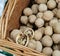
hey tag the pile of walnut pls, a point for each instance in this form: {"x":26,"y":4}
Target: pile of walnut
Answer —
{"x":40,"y":27}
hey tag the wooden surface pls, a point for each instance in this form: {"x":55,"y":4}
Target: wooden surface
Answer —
{"x":13,"y":22}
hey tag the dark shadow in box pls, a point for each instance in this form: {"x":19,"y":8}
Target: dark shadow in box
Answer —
{"x":13,"y":11}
